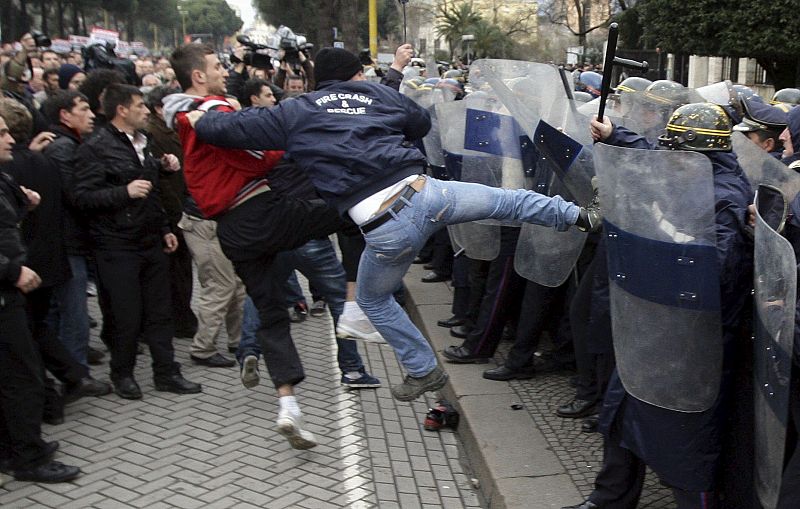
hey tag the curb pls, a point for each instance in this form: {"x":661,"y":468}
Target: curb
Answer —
{"x":506,"y":451}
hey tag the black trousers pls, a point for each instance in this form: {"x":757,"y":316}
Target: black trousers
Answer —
{"x":542,"y":309}
{"x":619,"y":483}
{"x":253,"y":236}
{"x":137,"y":286}
{"x":180,"y":273}
{"x":790,"y":484}
{"x":594,"y":369}
{"x":501,"y":298}
{"x":21,"y":387}
{"x":57,"y":359}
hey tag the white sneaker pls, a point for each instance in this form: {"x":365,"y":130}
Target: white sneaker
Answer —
{"x":291,"y":427}
{"x":360,"y":328}
{"x":249,"y":375}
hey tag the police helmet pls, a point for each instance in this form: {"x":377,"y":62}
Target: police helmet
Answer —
{"x":746,"y":93}
{"x":664,"y":92}
{"x":702,"y":127}
{"x":417,"y":62}
{"x":633,"y":84}
{"x":414,"y":83}
{"x":786,"y":96}
{"x":455,"y":74}
{"x":590,"y":82}
{"x":582,"y":97}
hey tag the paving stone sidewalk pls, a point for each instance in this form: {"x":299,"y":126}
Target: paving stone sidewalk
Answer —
{"x":218,"y":449}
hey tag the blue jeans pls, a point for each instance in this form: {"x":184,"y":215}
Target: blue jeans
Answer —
{"x":392,"y":246}
{"x":69,"y":313}
{"x":325,"y":271}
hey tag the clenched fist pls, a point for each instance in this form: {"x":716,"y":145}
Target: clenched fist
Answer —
{"x":139,"y":188}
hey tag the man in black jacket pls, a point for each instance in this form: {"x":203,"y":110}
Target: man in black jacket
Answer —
{"x":22,"y":450}
{"x":116,"y":182}
{"x":71,"y":120}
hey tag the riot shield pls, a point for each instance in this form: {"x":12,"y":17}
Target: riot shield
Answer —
{"x":647,"y":113}
{"x":721,"y":93}
{"x":775,"y":293}
{"x":663,"y":273}
{"x":544,"y":255}
{"x":761,"y":168}
{"x":531,"y":91}
{"x":428,"y":97}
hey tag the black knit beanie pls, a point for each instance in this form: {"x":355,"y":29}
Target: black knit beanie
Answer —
{"x":335,"y":64}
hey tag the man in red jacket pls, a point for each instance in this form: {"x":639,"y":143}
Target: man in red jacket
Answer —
{"x":259,"y":229}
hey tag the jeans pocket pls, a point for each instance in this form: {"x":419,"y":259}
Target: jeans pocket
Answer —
{"x":391,"y":246}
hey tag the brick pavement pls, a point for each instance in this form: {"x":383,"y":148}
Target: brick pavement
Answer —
{"x":218,"y":449}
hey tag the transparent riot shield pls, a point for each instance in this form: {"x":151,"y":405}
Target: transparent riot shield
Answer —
{"x":531,"y":91}
{"x":721,"y":93}
{"x":663,"y":274}
{"x":647,"y":113}
{"x":761,"y":168}
{"x":428,"y":98}
{"x":544,"y":255}
{"x":775,"y":284}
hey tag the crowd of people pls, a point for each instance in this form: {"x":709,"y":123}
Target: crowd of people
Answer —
{"x":246,"y":173}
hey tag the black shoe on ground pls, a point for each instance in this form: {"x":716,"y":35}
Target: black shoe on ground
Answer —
{"x":420,"y":259}
{"x":94,"y":356}
{"x":502,"y":373}
{"x":576,"y":408}
{"x":86,"y":387}
{"x":50,"y":472}
{"x":453,"y":321}
{"x":177,"y":385}
{"x":215,"y":361}
{"x":460,"y":355}
{"x":589,"y":425}
{"x":460,"y":331}
{"x":429,"y":266}
{"x":127,"y":388}
{"x":585,"y":505}
{"x":434,"y":277}
{"x":50,"y":449}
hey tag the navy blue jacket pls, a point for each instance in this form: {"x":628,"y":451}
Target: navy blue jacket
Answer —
{"x":684,"y":448}
{"x":347,"y":136}
{"x":793,"y":118}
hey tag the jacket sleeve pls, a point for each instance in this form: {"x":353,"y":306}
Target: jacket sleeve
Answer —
{"x":418,"y":119}
{"x":623,"y":137}
{"x":91,"y":190}
{"x":250,"y":128}
{"x":393,"y":79}
{"x":235,"y":83}
{"x":10,"y":241}
{"x":308,"y":68}
{"x":64,"y":157}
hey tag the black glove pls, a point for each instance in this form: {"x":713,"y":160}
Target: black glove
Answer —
{"x":590,"y":218}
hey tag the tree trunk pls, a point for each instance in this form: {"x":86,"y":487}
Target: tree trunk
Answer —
{"x":24,"y":20}
{"x":43,"y":11}
{"x":76,"y":29}
{"x":60,"y":17}
{"x":347,"y":15}
{"x":131,"y":25}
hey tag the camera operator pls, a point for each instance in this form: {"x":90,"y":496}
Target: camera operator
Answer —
{"x":17,"y":72}
{"x":246,"y":64}
{"x":287,"y":70}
